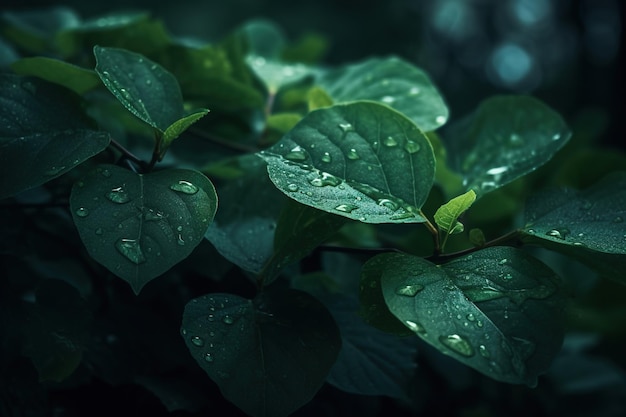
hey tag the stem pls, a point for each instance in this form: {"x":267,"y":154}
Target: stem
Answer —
{"x":434,"y":232}
{"x":127,"y":154}
{"x":270,"y":103}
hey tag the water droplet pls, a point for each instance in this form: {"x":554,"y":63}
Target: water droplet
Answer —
{"x":183,"y":332}
{"x":148,"y":82}
{"x":325,"y":179}
{"x":507,"y":277}
{"x":388,"y":99}
{"x":152,"y":215}
{"x":180,"y":240}
{"x":516,"y":139}
{"x":478,"y":294}
{"x":208,"y":357}
{"x":440,"y":119}
{"x":414,"y":91}
{"x":293,"y":187}
{"x":387,"y":203}
{"x":503,"y":262}
{"x":131,"y":249}
{"x":184,"y":187}
{"x":482,"y":349}
{"x":558,"y":233}
{"x":346,"y":127}
{"x":98,"y":231}
{"x":471,"y":317}
{"x":618,"y":219}
{"x":497,"y":170}
{"x":556,"y":136}
{"x":228,"y":319}
{"x":415,"y":326}
{"x":296,"y":154}
{"x":179,"y":228}
{"x":352,"y":154}
{"x":411,"y":146}
{"x":327,"y":158}
{"x":457,"y":344}
{"x":54,"y":170}
{"x":409,"y":290}
{"x":346,"y":208}
{"x":82,"y":212}
{"x":118,"y":195}
{"x":402,"y":215}
{"x":197,"y":341}
{"x":390,"y":141}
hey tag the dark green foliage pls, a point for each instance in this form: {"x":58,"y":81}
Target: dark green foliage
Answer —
{"x":356,"y":246}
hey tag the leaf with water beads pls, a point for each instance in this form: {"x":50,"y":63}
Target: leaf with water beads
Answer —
{"x":139,"y":226}
{"x":497,"y":310}
{"x":37,"y":142}
{"x":505,"y":138}
{"x":391,"y":81}
{"x":361,"y":160}
{"x":269,"y":355}
{"x":589,"y":225}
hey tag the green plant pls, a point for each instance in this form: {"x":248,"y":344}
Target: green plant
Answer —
{"x":125,"y":129}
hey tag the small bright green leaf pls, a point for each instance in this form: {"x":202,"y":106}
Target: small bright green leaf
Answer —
{"x":446,"y":216}
{"x":362,"y":160}
{"x":139,"y":226}
{"x":179,"y":126}
{"x":394,"y":82}
{"x":38,"y":142}
{"x":497,"y":310}
{"x":283,"y":122}
{"x":299,"y":230}
{"x":373,"y":309}
{"x":144,"y":87}
{"x":589,"y":225}
{"x":243,"y":231}
{"x":77,"y":79}
{"x":56,"y":330}
{"x":504,"y":139}
{"x":318,"y":98}
{"x":270,"y":355}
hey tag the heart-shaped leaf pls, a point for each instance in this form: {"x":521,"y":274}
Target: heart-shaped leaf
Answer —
{"x":362,"y":160}
{"x":139,"y":226}
{"x":589,"y":225}
{"x":497,"y":310}
{"x":270,"y":355}
{"x":394,"y":82}
{"x":504,"y":139}
{"x":44,"y":133}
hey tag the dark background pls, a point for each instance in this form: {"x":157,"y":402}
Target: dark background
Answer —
{"x":566,"y":52}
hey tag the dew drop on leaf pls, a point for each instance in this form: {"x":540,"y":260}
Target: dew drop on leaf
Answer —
{"x":352,"y":154}
{"x":118,"y":195}
{"x":327,"y":158}
{"x":131,"y":249}
{"x":346,"y":208}
{"x":388,"y":99}
{"x":228,"y":319}
{"x":415,"y":327}
{"x":387,"y":203}
{"x":482,"y":349}
{"x":293,"y":187}
{"x":390,"y":141}
{"x":457,"y":344}
{"x":98,"y":231}
{"x":54,"y":170}
{"x":409,"y":290}
{"x":197,"y":341}
{"x":411,"y":147}
{"x":184,"y":187}
{"x":296,"y":154}
{"x":208,"y":357}
{"x":324,"y":180}
{"x":180,"y":240}
{"x":440,"y":119}
{"x":346,"y":127}
{"x":414,"y":91}
{"x":82,"y":212}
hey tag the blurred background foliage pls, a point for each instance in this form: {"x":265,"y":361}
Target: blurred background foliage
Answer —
{"x":565,"y":52}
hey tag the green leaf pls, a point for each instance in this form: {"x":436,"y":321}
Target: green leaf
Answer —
{"x":394,"y":82}
{"x":179,"y":126}
{"x":275,"y":74}
{"x":497,"y":310}
{"x":139,"y":226}
{"x":373,"y":309}
{"x":361,"y":160}
{"x":77,"y":79}
{"x":589,"y":225}
{"x":446,"y":216}
{"x":505,"y":138}
{"x":370,"y":362}
{"x":144,"y":87}
{"x":263,"y":38}
{"x":299,"y":230}
{"x":318,"y":98}
{"x":243,"y":231}
{"x":56,"y":330}
{"x":270,"y":355}
{"x":38,"y":142}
